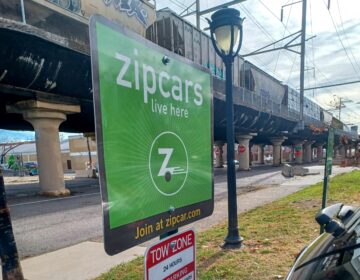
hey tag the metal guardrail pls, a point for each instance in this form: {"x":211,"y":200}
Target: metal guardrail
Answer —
{"x":260,"y":103}
{"x":352,"y":135}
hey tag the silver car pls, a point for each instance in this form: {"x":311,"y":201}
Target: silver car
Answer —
{"x":335,"y":254}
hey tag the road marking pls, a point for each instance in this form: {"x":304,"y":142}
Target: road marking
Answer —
{"x":54,"y":199}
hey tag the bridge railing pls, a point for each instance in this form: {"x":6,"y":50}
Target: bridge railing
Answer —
{"x":45,"y":17}
{"x":350,"y":134}
{"x":13,"y":10}
{"x":261,"y":103}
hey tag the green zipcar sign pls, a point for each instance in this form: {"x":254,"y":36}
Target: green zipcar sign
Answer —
{"x":329,"y":152}
{"x":153,"y":112}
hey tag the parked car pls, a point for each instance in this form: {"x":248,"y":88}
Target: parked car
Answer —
{"x":31,"y":168}
{"x":335,"y":254}
{"x":4,"y":166}
{"x":30,"y":164}
{"x":268,"y":159}
{"x":33,"y":172}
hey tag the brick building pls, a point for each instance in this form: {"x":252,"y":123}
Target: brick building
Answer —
{"x":74,"y":153}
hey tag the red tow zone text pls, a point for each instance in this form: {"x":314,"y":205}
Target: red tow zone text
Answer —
{"x":172,"y":258}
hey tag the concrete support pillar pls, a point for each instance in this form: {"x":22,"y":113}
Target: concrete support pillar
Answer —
{"x":352,"y":150}
{"x":298,"y":147}
{"x":219,"y":160}
{"x":347,"y":154}
{"x":303,"y":153}
{"x":342,"y":151}
{"x":46,"y":118}
{"x":319,"y":151}
{"x":244,"y":151}
{"x":261,"y":153}
{"x":312,"y":153}
{"x":348,"y":151}
{"x":277,"y":141}
{"x":250,"y":153}
{"x":307,"y":152}
{"x":336,"y":151}
{"x":292,"y":153}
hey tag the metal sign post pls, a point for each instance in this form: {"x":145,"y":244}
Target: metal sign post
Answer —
{"x":153,"y":112}
{"x":328,"y":168}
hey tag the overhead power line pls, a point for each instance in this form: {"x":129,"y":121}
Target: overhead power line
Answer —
{"x":333,"y":85}
{"x":345,"y":35}
{"x":342,"y":44}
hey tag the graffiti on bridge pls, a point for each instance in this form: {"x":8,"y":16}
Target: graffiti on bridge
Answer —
{"x":131,"y":7}
{"x":216,"y":71}
{"x":71,"y":5}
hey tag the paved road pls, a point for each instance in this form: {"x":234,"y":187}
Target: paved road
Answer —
{"x":42,"y":225}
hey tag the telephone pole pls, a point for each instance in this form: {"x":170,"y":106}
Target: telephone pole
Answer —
{"x":340,"y":104}
{"x":197,"y":14}
{"x":302,"y":63}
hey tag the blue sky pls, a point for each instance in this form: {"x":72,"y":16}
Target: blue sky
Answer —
{"x":18,"y":136}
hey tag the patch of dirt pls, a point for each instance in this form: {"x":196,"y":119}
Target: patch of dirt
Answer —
{"x":13,"y":180}
{"x":253,"y":188}
{"x":307,"y":204}
{"x":246,"y":189}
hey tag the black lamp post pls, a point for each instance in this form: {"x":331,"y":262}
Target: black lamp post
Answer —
{"x":225,"y":26}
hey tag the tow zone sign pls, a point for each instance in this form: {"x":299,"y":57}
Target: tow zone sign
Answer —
{"x":172,"y":258}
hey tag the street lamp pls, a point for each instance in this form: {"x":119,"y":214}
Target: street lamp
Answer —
{"x":225,"y":26}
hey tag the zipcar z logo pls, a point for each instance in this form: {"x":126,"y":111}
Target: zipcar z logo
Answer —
{"x":168,"y":166}
{"x":165,"y":170}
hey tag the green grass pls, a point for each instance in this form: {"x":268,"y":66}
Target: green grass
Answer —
{"x":273,"y":234}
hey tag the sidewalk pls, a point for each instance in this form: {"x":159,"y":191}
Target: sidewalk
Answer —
{"x":88,"y":260}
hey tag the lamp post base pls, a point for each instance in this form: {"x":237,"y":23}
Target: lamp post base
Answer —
{"x":234,"y":244}
{"x":233,"y":240}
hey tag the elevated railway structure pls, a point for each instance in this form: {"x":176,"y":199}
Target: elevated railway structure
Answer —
{"x":45,"y":81}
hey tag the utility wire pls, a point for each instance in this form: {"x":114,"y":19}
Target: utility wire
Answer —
{"x":296,"y":57}
{"x":253,"y":19}
{"x":261,"y":28}
{"x":285,"y":29}
{"x":271,"y":12}
{"x":345,"y":35}
{"x":342,"y":44}
{"x":184,"y":7}
{"x":313,"y":49}
{"x":260,"y":61}
{"x":291,"y":58}
{"x":187,"y":9}
{"x":178,"y":3}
